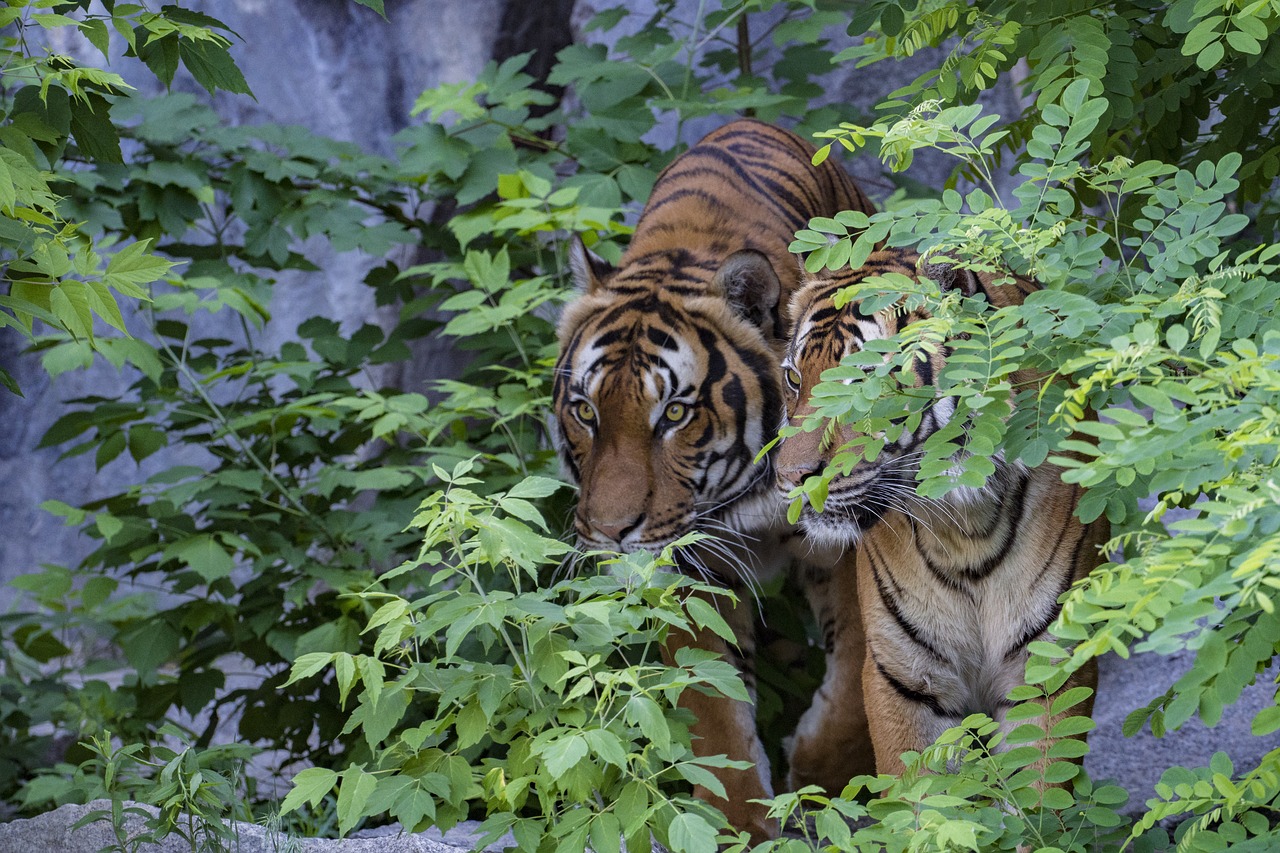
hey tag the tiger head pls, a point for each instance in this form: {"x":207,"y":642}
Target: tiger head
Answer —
{"x":666,"y":389}
{"x":823,"y":335}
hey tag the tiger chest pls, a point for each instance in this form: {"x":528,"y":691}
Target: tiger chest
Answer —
{"x":950,"y":620}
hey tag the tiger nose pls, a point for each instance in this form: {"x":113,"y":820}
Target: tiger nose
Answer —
{"x":618,"y":530}
{"x":794,"y":475}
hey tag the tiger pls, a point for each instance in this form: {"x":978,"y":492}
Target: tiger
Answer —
{"x":665,"y":391}
{"x":951,"y":590}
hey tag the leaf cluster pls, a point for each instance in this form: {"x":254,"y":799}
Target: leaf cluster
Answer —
{"x":1144,"y":369}
{"x":574,"y":739}
{"x":54,"y":112}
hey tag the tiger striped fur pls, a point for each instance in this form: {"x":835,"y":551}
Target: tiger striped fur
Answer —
{"x":952,"y":590}
{"x":666,"y":389}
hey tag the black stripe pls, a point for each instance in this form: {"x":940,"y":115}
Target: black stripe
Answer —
{"x":890,"y":599}
{"x":1064,"y":583}
{"x":943,"y":577}
{"x":1051,"y":613}
{"x":1013,"y":516}
{"x":770,"y":192}
{"x":927,"y":699}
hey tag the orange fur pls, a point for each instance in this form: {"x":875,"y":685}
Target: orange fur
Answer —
{"x":666,"y":389}
{"x":952,"y":590}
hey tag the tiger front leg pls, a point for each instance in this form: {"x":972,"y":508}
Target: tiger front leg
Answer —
{"x":728,"y":727}
{"x":832,"y":742}
{"x":898,"y":722}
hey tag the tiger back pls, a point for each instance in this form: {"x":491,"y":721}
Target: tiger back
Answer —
{"x":666,"y":388}
{"x":952,"y":590}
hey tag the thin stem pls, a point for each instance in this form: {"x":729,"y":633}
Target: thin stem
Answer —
{"x":180,"y":364}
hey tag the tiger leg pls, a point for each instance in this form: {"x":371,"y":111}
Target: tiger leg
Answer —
{"x":728,"y":727}
{"x":898,"y":723}
{"x":832,"y":742}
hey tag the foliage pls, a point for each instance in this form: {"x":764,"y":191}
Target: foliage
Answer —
{"x":289,"y":474}
{"x":1151,"y":316}
{"x":195,"y":794}
{"x":1180,"y":83}
{"x":584,"y":719}
{"x":979,"y":786}
{"x":56,"y":109}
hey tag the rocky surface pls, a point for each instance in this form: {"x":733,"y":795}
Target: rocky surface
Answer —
{"x":53,"y":831}
{"x":1136,"y":763}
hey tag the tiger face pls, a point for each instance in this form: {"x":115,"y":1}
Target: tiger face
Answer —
{"x":663,"y":397}
{"x":823,"y":335}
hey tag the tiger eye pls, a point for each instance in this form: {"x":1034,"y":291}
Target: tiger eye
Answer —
{"x":676,"y":412}
{"x":585,"y":412}
{"x":793,"y":377}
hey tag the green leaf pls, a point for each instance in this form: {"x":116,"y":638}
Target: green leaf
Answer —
{"x":1266,"y":721}
{"x":645,"y":713}
{"x":1243,"y":43}
{"x":134,"y":265}
{"x":375,"y":5}
{"x":112,"y":446}
{"x":702,"y":776}
{"x":705,"y":615}
{"x":606,"y":833}
{"x":632,"y":805}
{"x":471,"y":725}
{"x":211,"y":65}
{"x":1070,"y":699}
{"x":1072,"y":726}
{"x":535,"y":487}
{"x":891,"y":20}
{"x":160,"y":55}
{"x":607,"y":747}
{"x":309,"y":786}
{"x":95,"y":134}
{"x":690,"y":833}
{"x":145,"y":440}
{"x":95,"y":31}
{"x":308,"y":665}
{"x":353,"y":795}
{"x":414,"y":804}
{"x":563,"y":753}
{"x":7,"y":380}
{"x":203,"y":554}
{"x":1209,"y":58}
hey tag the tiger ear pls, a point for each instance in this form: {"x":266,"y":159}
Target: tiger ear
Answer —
{"x":751,"y":286}
{"x":950,"y":277}
{"x":589,"y":269}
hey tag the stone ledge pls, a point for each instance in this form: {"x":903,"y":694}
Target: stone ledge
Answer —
{"x":52,"y":831}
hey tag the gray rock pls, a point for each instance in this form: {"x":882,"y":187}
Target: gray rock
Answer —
{"x":53,"y":831}
{"x":1137,"y":762}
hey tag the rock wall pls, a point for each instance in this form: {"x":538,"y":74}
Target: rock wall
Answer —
{"x":54,"y":831}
